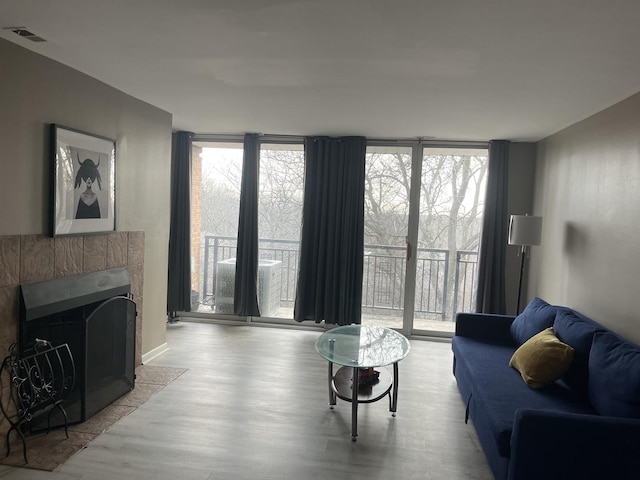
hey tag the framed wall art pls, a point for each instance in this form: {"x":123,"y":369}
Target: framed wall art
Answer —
{"x":83,"y":182}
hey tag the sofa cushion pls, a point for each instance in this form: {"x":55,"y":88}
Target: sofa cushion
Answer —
{"x":614,"y":376}
{"x":542,"y":359}
{"x":576,"y":331}
{"x":537,"y":316}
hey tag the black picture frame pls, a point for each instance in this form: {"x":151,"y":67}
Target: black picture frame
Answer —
{"x":83,"y":182}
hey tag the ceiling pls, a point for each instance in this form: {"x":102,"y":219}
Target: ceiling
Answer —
{"x":447,"y":69}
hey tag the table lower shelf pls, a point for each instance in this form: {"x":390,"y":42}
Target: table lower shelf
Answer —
{"x":342,"y":382}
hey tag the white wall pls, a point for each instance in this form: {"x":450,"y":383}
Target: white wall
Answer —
{"x":588,"y":190}
{"x":35,"y":92}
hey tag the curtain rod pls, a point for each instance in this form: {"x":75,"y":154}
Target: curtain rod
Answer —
{"x":214,"y":137}
{"x":206,"y":137}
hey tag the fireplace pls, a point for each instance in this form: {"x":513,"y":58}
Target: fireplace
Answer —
{"x":94,"y":314}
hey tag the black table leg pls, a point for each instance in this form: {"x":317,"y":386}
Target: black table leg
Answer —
{"x":354,"y":404}
{"x":332,"y":393}
{"x":394,"y":402}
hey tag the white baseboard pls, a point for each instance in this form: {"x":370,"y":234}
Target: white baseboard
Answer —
{"x":150,"y":355}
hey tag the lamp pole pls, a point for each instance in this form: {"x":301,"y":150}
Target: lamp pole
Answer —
{"x":523,"y":252}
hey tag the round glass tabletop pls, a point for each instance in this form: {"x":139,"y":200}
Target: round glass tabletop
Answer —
{"x":362,"y":346}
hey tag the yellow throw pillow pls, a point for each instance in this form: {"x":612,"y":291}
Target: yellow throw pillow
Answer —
{"x":542,"y":359}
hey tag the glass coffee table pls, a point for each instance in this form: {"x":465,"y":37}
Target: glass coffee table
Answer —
{"x":359,"y":347}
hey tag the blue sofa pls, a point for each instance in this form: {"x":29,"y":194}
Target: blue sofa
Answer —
{"x":584,"y":425}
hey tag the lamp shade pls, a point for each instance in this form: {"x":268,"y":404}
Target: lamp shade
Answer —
{"x":525,"y":230}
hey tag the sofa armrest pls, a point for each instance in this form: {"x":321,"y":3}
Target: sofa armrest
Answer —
{"x":549,"y":445}
{"x":485,"y":327}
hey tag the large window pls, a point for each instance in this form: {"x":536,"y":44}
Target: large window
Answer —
{"x":216,"y":189}
{"x":279,"y":222}
{"x":215,"y":205}
{"x":423,"y":214}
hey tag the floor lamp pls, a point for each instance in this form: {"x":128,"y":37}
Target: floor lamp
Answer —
{"x":524,"y":230}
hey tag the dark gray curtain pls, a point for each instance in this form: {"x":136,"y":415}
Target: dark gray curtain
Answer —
{"x":332,"y":244}
{"x":245,"y":301}
{"x":179,"y":280}
{"x":490,"y":294}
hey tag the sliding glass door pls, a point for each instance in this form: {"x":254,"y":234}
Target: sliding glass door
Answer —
{"x":423,"y":214}
{"x":452,"y":191}
{"x":386,"y":220}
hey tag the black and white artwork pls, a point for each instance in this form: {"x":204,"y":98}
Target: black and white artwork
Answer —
{"x":83,"y":190}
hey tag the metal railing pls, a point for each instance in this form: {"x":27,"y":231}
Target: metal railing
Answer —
{"x":438,"y":294}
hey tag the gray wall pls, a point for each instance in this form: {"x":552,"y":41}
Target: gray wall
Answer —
{"x":522,"y":163}
{"x":588,"y":190}
{"x":36,"y":91}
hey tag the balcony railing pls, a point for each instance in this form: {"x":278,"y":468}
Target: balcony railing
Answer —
{"x":439,"y":293}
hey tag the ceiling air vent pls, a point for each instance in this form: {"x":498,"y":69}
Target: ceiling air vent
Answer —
{"x":24,"y":33}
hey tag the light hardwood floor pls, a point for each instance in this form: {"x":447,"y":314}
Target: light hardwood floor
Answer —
{"x":254,"y":405}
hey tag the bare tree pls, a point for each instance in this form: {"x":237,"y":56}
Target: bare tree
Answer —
{"x":450,"y":209}
{"x":451,"y":195}
{"x":221,"y":180}
{"x":281,"y":194}
{"x":387,"y":187}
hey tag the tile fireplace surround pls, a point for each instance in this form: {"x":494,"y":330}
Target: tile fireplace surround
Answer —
{"x":33,"y":258}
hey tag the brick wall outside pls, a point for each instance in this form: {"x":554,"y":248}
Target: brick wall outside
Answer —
{"x":196,"y":214}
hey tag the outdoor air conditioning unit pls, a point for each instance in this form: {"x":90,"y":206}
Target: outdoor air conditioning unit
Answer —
{"x":225,"y":285}
{"x":269,"y":286}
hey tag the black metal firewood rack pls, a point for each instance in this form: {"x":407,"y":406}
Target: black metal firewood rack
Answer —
{"x":40,"y":379}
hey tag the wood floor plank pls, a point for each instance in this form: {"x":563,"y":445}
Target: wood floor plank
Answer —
{"x":254,"y":405}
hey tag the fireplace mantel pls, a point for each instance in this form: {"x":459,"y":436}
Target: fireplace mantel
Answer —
{"x":53,"y":296}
